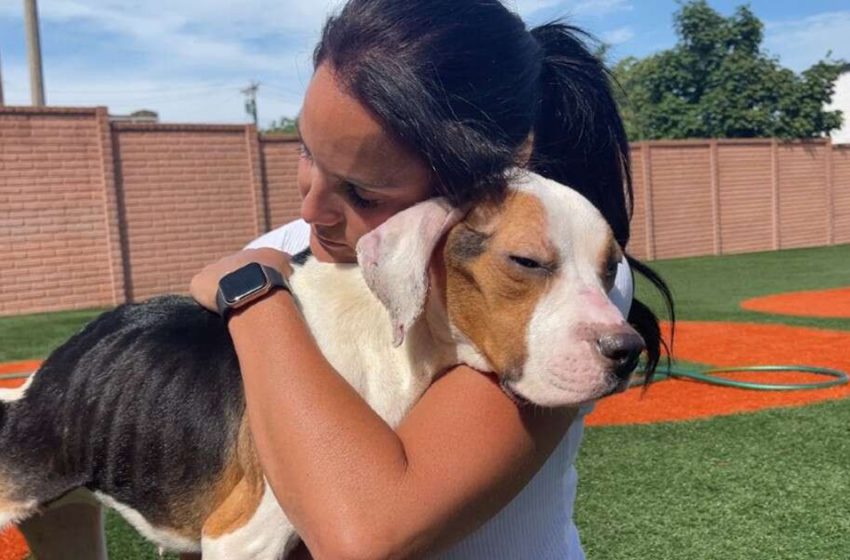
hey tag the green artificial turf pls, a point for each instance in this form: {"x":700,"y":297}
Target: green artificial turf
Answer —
{"x":123,"y":542}
{"x":27,"y":337}
{"x":769,"y":485}
{"x":711,"y":288}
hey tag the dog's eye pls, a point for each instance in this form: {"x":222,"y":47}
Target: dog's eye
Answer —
{"x":611,"y":270}
{"x":526,"y":262}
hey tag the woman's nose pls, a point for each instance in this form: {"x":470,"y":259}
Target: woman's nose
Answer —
{"x":319,"y":204}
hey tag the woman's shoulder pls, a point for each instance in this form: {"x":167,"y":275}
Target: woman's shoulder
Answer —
{"x":292,"y":237}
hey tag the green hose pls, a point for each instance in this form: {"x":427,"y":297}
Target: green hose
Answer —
{"x":709,"y":376}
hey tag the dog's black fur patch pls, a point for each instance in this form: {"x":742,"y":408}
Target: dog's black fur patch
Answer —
{"x":143,"y":404}
{"x":469,"y":244}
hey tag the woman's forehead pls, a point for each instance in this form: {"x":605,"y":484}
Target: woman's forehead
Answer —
{"x":331,"y":115}
{"x":345,"y":138}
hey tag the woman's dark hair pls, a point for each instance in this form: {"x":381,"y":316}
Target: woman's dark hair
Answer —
{"x":463,"y":84}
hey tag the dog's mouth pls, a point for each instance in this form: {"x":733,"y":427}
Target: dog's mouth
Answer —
{"x":618,"y":387}
{"x":518,"y":399}
{"x":607,"y":385}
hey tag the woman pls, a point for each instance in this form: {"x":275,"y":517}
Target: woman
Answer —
{"x":412,"y":99}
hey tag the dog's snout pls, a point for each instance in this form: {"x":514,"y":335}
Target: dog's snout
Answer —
{"x":623,"y":349}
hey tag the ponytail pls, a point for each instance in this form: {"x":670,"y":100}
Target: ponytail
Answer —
{"x":580,"y":141}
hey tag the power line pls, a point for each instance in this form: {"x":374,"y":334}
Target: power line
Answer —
{"x":152,"y":90}
{"x":1,"y":84}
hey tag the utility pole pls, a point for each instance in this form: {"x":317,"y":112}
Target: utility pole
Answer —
{"x":34,"y":53}
{"x":250,"y":94}
{"x":1,"y":84}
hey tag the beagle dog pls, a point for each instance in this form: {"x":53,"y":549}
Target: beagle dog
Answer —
{"x":144,"y":408}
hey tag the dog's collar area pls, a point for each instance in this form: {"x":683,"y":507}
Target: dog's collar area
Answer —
{"x":301,"y":258}
{"x":518,"y":399}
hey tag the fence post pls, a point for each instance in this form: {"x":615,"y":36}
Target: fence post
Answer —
{"x":715,"y":194}
{"x":646,"y":160}
{"x":830,"y":195}
{"x":774,"y":178}
{"x":113,"y":211}
{"x":262,"y":219}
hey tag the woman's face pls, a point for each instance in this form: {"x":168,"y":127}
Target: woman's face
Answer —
{"x":352,"y":175}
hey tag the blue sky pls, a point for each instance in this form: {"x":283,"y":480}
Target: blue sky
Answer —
{"x":188,"y":59}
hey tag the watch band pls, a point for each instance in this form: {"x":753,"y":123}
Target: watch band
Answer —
{"x":247,"y":284}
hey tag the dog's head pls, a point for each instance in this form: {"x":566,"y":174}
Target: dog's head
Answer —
{"x":525,"y":282}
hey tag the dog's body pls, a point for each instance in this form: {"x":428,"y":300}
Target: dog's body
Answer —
{"x":145,"y":408}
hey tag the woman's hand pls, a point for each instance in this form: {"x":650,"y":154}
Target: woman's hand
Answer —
{"x":204,"y":285}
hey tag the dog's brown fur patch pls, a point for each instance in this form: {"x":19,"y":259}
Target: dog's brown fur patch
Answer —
{"x":241,"y":489}
{"x":482,"y":281}
{"x":226,"y":504}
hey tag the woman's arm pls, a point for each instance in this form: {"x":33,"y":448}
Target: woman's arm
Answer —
{"x":352,"y":486}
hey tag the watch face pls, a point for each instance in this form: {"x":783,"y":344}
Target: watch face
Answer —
{"x":243,"y":283}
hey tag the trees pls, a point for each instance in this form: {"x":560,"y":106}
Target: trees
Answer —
{"x":718,"y":83}
{"x":286,"y":125}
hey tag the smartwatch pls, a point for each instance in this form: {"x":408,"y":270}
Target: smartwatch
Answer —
{"x":246,"y":284}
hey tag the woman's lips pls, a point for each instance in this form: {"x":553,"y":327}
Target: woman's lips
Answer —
{"x":328,"y":243}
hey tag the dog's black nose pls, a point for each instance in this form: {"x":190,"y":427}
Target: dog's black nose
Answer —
{"x":623,"y":349}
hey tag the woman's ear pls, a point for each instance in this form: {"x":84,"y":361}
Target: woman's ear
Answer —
{"x":394,"y":259}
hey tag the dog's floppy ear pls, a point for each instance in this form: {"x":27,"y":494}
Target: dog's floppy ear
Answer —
{"x":394,"y":259}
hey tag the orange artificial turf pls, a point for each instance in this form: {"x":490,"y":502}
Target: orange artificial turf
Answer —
{"x":834,"y":303}
{"x":12,"y":545}
{"x":20,"y":367}
{"x":733,"y":344}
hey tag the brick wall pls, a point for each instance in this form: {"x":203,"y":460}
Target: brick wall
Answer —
{"x":840,"y":181}
{"x":53,"y":222}
{"x":188,"y":199}
{"x":94,"y":213}
{"x":280,"y":157}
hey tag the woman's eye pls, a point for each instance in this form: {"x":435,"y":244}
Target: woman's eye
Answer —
{"x":356,"y":199}
{"x":526,"y":262}
{"x":303,"y":153}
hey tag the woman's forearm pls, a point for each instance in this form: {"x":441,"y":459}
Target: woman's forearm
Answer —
{"x":332,"y":462}
{"x":353,"y":486}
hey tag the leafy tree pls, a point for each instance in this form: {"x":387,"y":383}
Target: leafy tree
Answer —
{"x":717,"y":82}
{"x":285,"y":125}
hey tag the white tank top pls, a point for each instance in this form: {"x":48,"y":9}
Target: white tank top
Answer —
{"x":538,"y":522}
